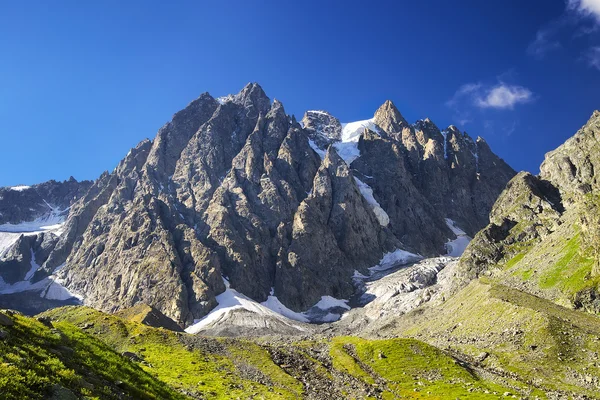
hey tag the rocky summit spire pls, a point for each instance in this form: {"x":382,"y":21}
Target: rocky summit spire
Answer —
{"x":388,"y":118}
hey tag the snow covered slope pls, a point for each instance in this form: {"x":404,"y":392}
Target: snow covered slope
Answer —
{"x":237,"y":312}
{"x":347,"y":148}
{"x":457,"y":246}
{"x":49,"y":288}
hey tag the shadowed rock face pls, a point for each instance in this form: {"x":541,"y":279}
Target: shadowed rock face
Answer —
{"x":236,"y":188}
{"x":26,"y":203}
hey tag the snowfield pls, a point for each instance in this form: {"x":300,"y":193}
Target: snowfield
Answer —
{"x":367,"y":193}
{"x":231,"y":300}
{"x":347,"y":148}
{"x":396,"y":258}
{"x":51,"y":287}
{"x":19,"y":188}
{"x":457,"y":246}
{"x":328,"y":309}
{"x":316,"y":148}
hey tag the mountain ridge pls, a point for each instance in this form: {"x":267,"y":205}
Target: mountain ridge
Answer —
{"x":235,"y":187}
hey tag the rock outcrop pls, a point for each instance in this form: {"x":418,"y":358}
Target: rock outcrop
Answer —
{"x":535,"y":226}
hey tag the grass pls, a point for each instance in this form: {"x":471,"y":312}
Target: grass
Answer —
{"x":205,"y":371}
{"x":344,"y":362}
{"x":36,"y":358}
{"x":547,"y":346}
{"x":410,"y":368}
{"x":571,"y":272}
{"x":250,"y":353}
{"x":83,"y":353}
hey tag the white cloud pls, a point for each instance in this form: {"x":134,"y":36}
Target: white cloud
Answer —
{"x":504,"y":96}
{"x":593,"y":57}
{"x":585,"y":7}
{"x":499,"y":96}
{"x":580,"y":19}
{"x":543,"y":43}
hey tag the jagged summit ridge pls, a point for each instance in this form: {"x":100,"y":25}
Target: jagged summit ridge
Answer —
{"x":234,"y":187}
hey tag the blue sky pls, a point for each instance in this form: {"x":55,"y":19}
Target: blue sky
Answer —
{"x":82,"y":82}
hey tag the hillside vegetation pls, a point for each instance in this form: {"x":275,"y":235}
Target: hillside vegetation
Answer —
{"x":77,"y":352}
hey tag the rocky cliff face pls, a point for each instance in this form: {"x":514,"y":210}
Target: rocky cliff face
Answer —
{"x":418,"y":174}
{"x":534,"y":240}
{"x":43,"y":201}
{"x":236,"y":188}
{"x":30,"y":219}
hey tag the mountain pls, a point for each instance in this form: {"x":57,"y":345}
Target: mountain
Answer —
{"x":233,"y":193}
{"x":522,"y":301}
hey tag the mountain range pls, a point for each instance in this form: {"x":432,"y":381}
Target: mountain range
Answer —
{"x":243,"y":253}
{"x":233,"y":191}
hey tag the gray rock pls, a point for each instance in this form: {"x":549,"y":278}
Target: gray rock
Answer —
{"x":5,"y":320}
{"x":62,"y":393}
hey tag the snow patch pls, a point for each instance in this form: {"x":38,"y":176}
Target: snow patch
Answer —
{"x":456,"y":247}
{"x":316,"y":148}
{"x":351,"y":131}
{"x":348,"y":151}
{"x":273,"y":304}
{"x":52,"y":221}
{"x":328,"y":302}
{"x":33,"y":269}
{"x":367,"y":193}
{"x":225,"y":99}
{"x":7,"y":239}
{"x":56,"y":291}
{"x":347,"y":148}
{"x":50,"y":288}
{"x":319,"y":112}
{"x":229,"y":301}
{"x":19,"y":188}
{"x":394,"y":259}
{"x":445,"y":135}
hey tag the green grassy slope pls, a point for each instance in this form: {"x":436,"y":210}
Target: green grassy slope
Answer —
{"x":83,"y":353}
{"x":526,"y":339}
{"x":37,"y":362}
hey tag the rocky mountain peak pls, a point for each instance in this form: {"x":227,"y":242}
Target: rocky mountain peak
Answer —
{"x":322,"y":123}
{"x":253,"y":98}
{"x":425,"y":130}
{"x":388,"y":118}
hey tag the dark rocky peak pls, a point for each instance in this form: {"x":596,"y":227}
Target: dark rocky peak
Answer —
{"x":323,"y":124}
{"x":248,"y":163}
{"x":334,"y":232}
{"x":389,"y":119}
{"x":172,"y":138}
{"x":254,"y":99}
{"x":456,"y":146}
{"x":277,"y":126}
{"x":334,"y":163}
